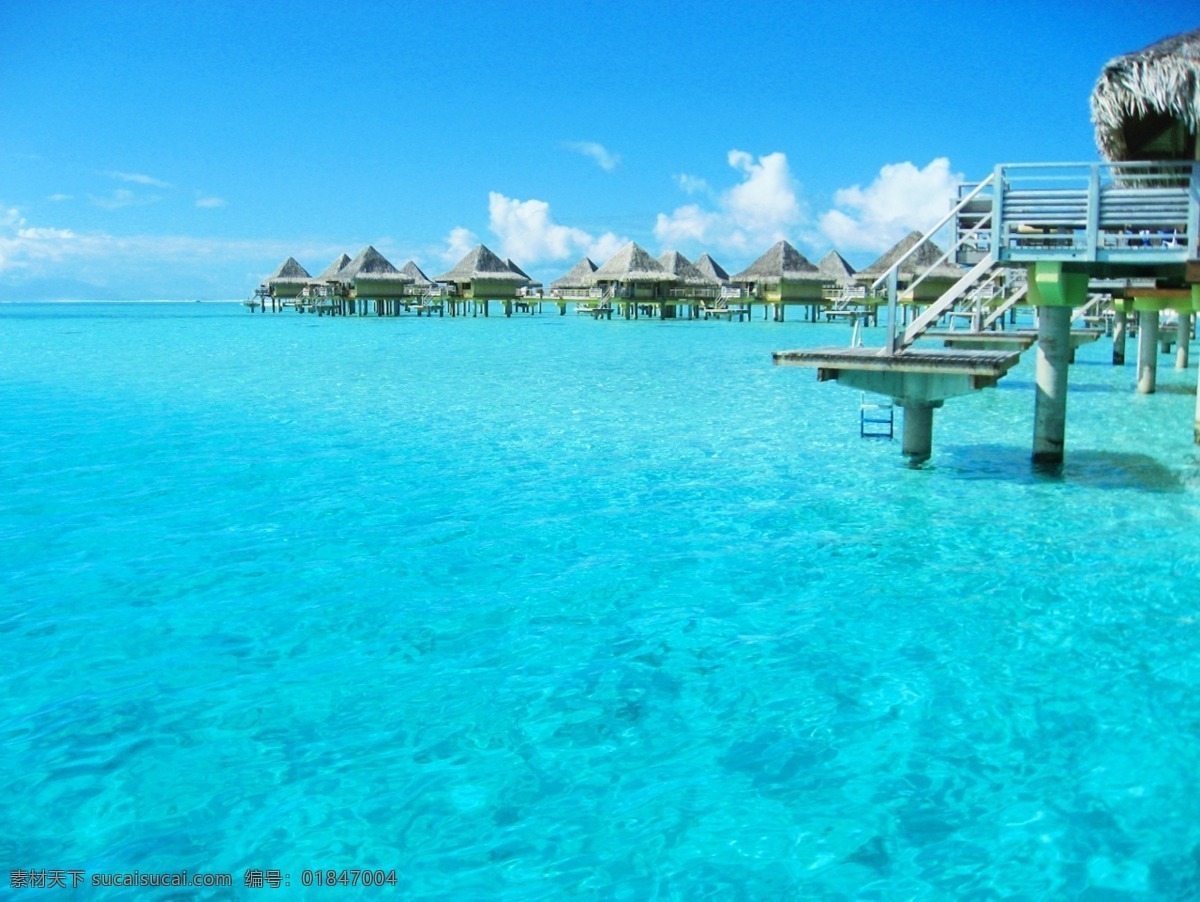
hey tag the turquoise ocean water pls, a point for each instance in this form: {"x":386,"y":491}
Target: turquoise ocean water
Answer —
{"x":540,"y":607}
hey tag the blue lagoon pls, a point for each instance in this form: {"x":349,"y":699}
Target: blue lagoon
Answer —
{"x":543,"y":606}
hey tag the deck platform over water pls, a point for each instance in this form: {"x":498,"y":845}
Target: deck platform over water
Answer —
{"x":830,"y":361}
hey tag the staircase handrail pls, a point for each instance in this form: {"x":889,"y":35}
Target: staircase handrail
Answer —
{"x":928,"y":235}
{"x":892,"y":275}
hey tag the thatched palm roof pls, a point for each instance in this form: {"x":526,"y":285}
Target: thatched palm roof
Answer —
{"x":333,"y":270}
{"x":632,"y":264}
{"x":481,"y":263}
{"x":289,"y":273}
{"x":1146,"y":105}
{"x":835,"y":266}
{"x":372,"y":264}
{"x":712,"y":269}
{"x":414,"y":272}
{"x":578,"y":276}
{"x":781,"y":263}
{"x":685,"y":272}
{"x":914,"y":266}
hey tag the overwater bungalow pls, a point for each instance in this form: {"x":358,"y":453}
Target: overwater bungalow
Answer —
{"x":780,"y":277}
{"x":845,"y":296}
{"x":321,"y":291}
{"x":286,"y":283}
{"x":576,"y":284}
{"x":928,"y":266}
{"x":693,"y":289}
{"x":712,"y":269}
{"x":634,"y":280}
{"x":480,"y":277}
{"x":374,"y":277}
{"x":838,"y":269}
{"x":420,"y":281}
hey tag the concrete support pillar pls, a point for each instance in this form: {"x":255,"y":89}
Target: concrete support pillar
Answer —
{"x":1119,"y":331}
{"x":918,"y":429}
{"x":1183,"y":335}
{"x":1147,"y":351}
{"x":1050,"y":403}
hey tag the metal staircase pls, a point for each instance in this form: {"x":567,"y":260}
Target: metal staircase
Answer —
{"x":1096,"y":213}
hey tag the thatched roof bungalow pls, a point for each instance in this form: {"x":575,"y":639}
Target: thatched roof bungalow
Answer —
{"x":941,"y":277}
{"x":837,"y":268}
{"x":371,"y":275}
{"x":690,"y":282}
{"x":634,"y":275}
{"x":287,"y":281}
{"x":782,"y":275}
{"x":329,"y":280}
{"x":420,"y":281}
{"x":711,"y":268}
{"x":1146,"y":105}
{"x":484,"y":276}
{"x":576,"y":281}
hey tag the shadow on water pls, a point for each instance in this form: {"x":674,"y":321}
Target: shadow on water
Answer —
{"x":1011,"y":384}
{"x":1182,"y":388}
{"x":1088,"y":469}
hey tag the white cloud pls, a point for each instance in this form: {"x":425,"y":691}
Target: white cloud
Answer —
{"x":688,"y":223}
{"x":756,"y":212}
{"x":122,"y":197}
{"x":59,"y":198}
{"x":528,"y":234}
{"x":36,"y":251}
{"x":901,"y":198}
{"x":692,"y":184}
{"x":210,"y":203}
{"x":138,"y":178}
{"x":459,"y":243}
{"x":604,"y":158}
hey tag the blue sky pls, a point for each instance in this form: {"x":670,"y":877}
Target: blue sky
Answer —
{"x":184,"y":149}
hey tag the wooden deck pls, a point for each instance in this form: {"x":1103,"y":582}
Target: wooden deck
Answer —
{"x":829,"y":361}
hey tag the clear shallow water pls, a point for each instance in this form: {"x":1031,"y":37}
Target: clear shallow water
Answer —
{"x":544,"y":606}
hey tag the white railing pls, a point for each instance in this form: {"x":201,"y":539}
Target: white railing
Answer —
{"x":1141,"y":212}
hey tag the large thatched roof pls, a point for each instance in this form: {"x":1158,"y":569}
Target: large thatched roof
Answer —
{"x":632,"y":264}
{"x":413,"y":271}
{"x":781,"y":263}
{"x":289,"y":273}
{"x":685,"y":272}
{"x":835,"y":266}
{"x":481,"y":263}
{"x":1146,"y":105}
{"x":914,"y":266}
{"x":373,"y":265}
{"x":578,"y":276}
{"x":712,"y":269}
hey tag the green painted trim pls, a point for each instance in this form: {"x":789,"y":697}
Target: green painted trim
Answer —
{"x":1152,"y":305}
{"x":1050,"y":286}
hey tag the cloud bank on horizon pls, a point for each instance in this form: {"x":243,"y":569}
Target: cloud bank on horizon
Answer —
{"x":762,"y":204}
{"x":765,"y":206}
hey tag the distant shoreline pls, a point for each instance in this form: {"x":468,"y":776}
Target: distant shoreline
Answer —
{"x":122,"y":301}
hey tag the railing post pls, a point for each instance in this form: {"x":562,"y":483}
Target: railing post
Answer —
{"x":893,"y":289}
{"x":1193,"y":223}
{"x":1093,"y":212}
{"x":999,"y":251}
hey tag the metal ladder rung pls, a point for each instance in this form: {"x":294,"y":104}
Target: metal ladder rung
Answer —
{"x":876,"y":414}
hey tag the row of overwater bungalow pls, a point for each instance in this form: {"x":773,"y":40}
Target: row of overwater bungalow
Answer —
{"x":631,"y":284}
